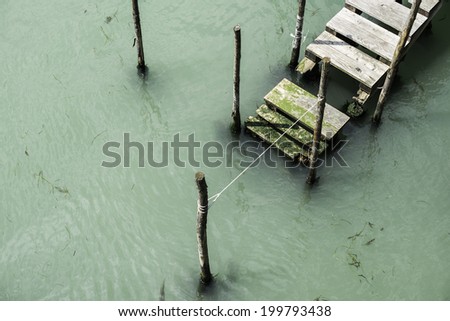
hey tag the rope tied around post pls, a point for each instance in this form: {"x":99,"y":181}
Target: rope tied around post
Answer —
{"x":296,"y":43}
{"x":202,"y":209}
{"x":202,"y":216}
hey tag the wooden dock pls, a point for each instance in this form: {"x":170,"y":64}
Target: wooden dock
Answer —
{"x":360,"y":41}
{"x":286,"y":104}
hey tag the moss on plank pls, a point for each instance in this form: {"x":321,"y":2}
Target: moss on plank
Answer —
{"x":282,"y":124}
{"x":264,"y":131}
{"x":305,"y":65}
{"x":297,"y":103}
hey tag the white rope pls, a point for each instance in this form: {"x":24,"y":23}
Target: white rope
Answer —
{"x":303,"y":37}
{"x":202,"y":209}
{"x":214,"y":198}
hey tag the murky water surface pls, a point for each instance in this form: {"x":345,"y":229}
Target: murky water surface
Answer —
{"x":71,"y":229}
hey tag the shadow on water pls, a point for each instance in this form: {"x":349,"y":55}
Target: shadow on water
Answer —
{"x":305,"y":196}
{"x":150,"y":108}
{"x":220,"y":286}
{"x":142,"y":72}
{"x":162,"y":291}
{"x":368,"y":161}
{"x":241,"y":200}
{"x":208,"y":292}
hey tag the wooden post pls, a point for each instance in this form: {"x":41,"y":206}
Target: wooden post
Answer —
{"x":235,"y":113}
{"x":296,"y":43}
{"x":140,"y":47}
{"x":202,"y":213}
{"x":398,"y":54}
{"x":318,"y":128}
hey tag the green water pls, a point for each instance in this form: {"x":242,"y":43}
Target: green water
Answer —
{"x":71,"y":229}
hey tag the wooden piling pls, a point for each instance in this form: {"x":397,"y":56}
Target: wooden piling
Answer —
{"x":296,"y":43}
{"x":318,"y":128}
{"x":139,"y":45}
{"x":202,"y":214}
{"x":398,"y":54}
{"x":235,"y":113}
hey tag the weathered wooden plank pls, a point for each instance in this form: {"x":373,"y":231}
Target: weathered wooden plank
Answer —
{"x":361,"y":97}
{"x":283,"y":124}
{"x":296,"y":103}
{"x":427,"y":7}
{"x":305,"y":65}
{"x":364,"y":32}
{"x":350,"y":60}
{"x":262,"y":129}
{"x":388,"y":12}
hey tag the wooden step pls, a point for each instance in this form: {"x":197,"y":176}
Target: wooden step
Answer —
{"x":348,"y":59}
{"x":364,"y":32}
{"x":262,"y":129}
{"x":388,"y":12}
{"x":305,"y":65}
{"x":283,"y":125}
{"x":296,"y":103}
{"x":429,"y":7}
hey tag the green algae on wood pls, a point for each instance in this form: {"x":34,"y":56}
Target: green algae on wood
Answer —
{"x":297,"y":103}
{"x":262,"y":129}
{"x":305,"y":65}
{"x":283,"y":124}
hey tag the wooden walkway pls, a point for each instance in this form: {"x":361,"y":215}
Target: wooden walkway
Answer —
{"x":360,"y":41}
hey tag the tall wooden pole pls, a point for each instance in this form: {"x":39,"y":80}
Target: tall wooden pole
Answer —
{"x":296,"y":43}
{"x":398,"y":54}
{"x":235,"y":113}
{"x":202,"y":214}
{"x":318,"y":128}
{"x":139,"y":45}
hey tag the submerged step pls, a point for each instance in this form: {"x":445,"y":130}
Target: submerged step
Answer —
{"x":262,"y":129}
{"x":283,"y":125}
{"x":296,"y":103}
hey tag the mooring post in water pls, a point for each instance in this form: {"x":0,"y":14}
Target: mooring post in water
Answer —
{"x":202,"y":214}
{"x":139,"y":45}
{"x":319,"y":120}
{"x":235,"y":113}
{"x":398,"y":54}
{"x":296,"y":43}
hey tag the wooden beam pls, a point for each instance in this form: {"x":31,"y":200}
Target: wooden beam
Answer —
{"x":318,"y":129}
{"x":296,"y":43}
{"x":395,"y":62}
